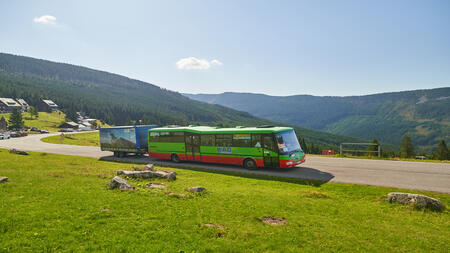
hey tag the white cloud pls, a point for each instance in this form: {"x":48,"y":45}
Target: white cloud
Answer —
{"x":45,"y":19}
{"x":195,"y":63}
{"x":216,"y":62}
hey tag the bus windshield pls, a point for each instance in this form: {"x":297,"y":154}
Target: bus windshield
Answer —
{"x":287,"y":142}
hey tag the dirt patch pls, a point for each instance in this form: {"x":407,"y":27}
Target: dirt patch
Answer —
{"x":212,"y":225}
{"x":55,"y":175}
{"x":274,"y":221}
{"x":177,"y":195}
{"x":155,"y":185}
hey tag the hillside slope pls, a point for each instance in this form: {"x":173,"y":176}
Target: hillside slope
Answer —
{"x":117,"y":99}
{"x":423,"y":114}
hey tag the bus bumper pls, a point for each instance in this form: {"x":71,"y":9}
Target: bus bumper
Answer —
{"x":290,"y":163}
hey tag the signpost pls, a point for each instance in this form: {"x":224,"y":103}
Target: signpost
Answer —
{"x":360,"y":150}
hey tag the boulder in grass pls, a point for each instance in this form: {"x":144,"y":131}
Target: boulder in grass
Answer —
{"x":149,"y":166}
{"x":3,"y":180}
{"x":120,"y":183}
{"x":18,"y":152}
{"x":416,"y":200}
{"x":196,"y":189}
{"x":148,"y":174}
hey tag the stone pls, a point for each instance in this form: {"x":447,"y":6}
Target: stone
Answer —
{"x":148,"y":174}
{"x":196,"y":189}
{"x":120,"y":183}
{"x":3,"y":180}
{"x":155,"y":185}
{"x":416,"y":200}
{"x":149,"y":166}
{"x":137,"y":169}
{"x":18,"y":152}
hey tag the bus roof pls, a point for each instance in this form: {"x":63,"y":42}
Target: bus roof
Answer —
{"x":219,"y":130}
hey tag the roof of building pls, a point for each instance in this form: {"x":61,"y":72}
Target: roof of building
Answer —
{"x":9,"y":102}
{"x":49,"y":102}
{"x":219,"y":130}
{"x":22,"y":102}
{"x":71,"y":123}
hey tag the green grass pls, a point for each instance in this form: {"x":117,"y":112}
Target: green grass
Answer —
{"x":62,"y":203}
{"x":82,"y":139}
{"x":47,"y":121}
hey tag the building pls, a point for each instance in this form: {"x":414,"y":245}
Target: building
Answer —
{"x":8,"y":104}
{"x":47,"y":106}
{"x":3,"y":124}
{"x":71,"y":124}
{"x":23,"y":104}
{"x":328,"y":152}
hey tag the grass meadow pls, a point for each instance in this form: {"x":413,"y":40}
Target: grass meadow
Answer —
{"x":62,"y":203}
{"x":82,"y":139}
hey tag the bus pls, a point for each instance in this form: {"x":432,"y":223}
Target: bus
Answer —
{"x":250,"y":147}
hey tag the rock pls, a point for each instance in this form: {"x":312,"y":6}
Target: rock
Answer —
{"x":196,"y":189}
{"x":3,"y":180}
{"x":416,"y":200}
{"x":137,"y":169}
{"x":167,"y":175}
{"x":120,"y":183}
{"x":17,"y":152}
{"x":148,"y":174}
{"x":149,"y":166}
{"x":155,"y":185}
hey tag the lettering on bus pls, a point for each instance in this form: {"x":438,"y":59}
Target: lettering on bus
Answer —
{"x":226,"y":150}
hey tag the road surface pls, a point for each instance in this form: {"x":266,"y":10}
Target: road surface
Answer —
{"x":400,"y":174}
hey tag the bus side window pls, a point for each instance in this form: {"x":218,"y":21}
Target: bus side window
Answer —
{"x":269,"y":143}
{"x":256,"y":140}
{"x":224,"y":140}
{"x":241,"y":140}
{"x":154,"y":136}
{"x":208,"y":140}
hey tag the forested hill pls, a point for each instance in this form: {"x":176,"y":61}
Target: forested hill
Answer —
{"x":117,"y":99}
{"x":423,"y":114}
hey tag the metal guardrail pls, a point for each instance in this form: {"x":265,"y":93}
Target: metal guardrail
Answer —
{"x":341,"y":150}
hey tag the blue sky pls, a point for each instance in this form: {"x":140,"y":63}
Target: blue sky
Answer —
{"x":335,"y":48}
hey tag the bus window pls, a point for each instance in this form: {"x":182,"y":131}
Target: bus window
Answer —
{"x":269,"y":143}
{"x":154,"y":136}
{"x":208,"y":140}
{"x":241,"y":140}
{"x":224,"y":140}
{"x":256,"y":140}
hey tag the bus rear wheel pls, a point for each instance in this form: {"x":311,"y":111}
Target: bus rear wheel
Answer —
{"x":250,"y":164}
{"x":175,"y":158}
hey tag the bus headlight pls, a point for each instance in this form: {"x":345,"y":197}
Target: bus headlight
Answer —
{"x":289,"y":163}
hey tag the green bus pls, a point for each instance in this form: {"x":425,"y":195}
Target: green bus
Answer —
{"x":251,"y":147}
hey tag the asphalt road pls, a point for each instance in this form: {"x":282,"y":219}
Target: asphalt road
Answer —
{"x":400,"y":174}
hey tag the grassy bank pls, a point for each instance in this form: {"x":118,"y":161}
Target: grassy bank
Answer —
{"x":82,"y":139}
{"x":62,"y":203}
{"x":47,"y":121}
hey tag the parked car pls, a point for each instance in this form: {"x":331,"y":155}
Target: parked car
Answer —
{"x":34,"y":129}
{"x":23,"y":134}
{"x":66,"y":130}
{"x":14,"y":135}
{"x":4,"y":136}
{"x":43,"y":131}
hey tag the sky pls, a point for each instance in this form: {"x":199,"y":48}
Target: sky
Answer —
{"x":324,"y":48}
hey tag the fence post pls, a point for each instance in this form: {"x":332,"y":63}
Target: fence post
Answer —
{"x":340,"y":149}
{"x":379,"y":150}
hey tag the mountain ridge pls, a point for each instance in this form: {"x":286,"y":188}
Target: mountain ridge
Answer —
{"x":423,"y":113}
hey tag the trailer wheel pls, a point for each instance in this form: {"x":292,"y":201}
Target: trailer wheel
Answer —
{"x":250,"y":164}
{"x":175,"y":158}
{"x":116,"y":154}
{"x":122,"y":154}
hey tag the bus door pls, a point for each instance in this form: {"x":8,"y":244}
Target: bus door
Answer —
{"x":193,"y":146}
{"x":270,"y":151}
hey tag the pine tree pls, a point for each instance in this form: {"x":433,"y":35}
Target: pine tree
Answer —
{"x":303,"y":145}
{"x":441,"y":152}
{"x":406,"y":148}
{"x":16,"y":121}
{"x":32,"y":111}
{"x":373,"y":147}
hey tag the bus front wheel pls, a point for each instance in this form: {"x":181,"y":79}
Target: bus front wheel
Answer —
{"x":250,"y":164}
{"x":175,"y":158}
